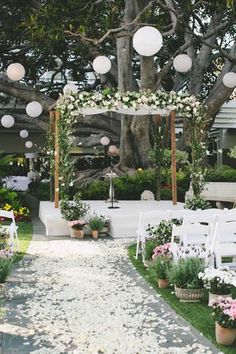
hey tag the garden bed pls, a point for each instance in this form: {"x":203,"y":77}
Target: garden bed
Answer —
{"x":198,"y":314}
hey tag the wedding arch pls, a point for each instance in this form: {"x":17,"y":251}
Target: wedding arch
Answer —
{"x":146,"y":103}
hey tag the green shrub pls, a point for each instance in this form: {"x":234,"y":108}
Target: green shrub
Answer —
{"x":8,"y":196}
{"x":73,"y":210}
{"x":40,"y":190}
{"x":184,"y":274}
{"x":5,"y":267}
{"x":221,"y":174}
{"x":162,"y":266}
{"x":196,"y":202}
{"x":150,"y":245}
{"x":161,"y":233}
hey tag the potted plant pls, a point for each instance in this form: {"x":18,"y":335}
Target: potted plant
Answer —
{"x":96,"y":224}
{"x":148,"y":249}
{"x":224,"y":314}
{"x":73,"y":210}
{"x":78,"y":227}
{"x":161,"y":266}
{"x":5,"y":267}
{"x":219,"y":282}
{"x":184,"y":276}
{"x":105,"y":230}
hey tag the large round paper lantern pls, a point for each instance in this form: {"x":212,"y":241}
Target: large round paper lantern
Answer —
{"x":34,"y":109}
{"x":24,"y":134}
{"x":70,"y":88}
{"x":112,"y":149}
{"x":105,"y":141}
{"x":7,"y":121}
{"x":28,"y":144}
{"x":147,"y":41}
{"x":182,"y":63}
{"x":15,"y":71}
{"x":102,"y":65}
{"x":229,"y":80}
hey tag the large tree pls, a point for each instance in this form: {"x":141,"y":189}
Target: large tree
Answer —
{"x":64,"y":37}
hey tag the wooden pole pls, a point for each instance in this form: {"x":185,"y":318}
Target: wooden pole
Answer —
{"x":173,"y":158}
{"x":57,"y":161}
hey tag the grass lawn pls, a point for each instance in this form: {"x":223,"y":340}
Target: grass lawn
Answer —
{"x":198,"y":314}
{"x":25,"y":230}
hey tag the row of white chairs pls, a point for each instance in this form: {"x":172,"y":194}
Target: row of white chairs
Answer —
{"x":12,"y":228}
{"x":209,"y":234}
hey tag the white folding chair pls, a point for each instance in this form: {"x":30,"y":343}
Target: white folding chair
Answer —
{"x":149,"y":219}
{"x":226,"y":216}
{"x":193,"y":241}
{"x":180,"y":213}
{"x":224,"y":243}
{"x":13,"y":227}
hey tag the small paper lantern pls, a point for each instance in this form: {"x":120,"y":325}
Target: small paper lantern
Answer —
{"x":15,"y":71}
{"x":147,"y":41}
{"x":182,"y":63}
{"x":102,"y":65}
{"x":105,"y":141}
{"x":28,"y":144}
{"x":7,"y":121}
{"x":112,"y":149}
{"x":24,"y":134}
{"x":229,"y":80}
{"x":70,"y":88}
{"x":34,"y":109}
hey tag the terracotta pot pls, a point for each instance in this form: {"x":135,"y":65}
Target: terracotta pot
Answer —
{"x":224,"y":336}
{"x":95,"y":234}
{"x":189,"y":295}
{"x":214,"y":297}
{"x":163,"y":283}
{"x":2,"y":290}
{"x":79,"y":233}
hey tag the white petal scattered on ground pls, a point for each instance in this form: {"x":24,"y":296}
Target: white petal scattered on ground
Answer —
{"x":81,"y":297}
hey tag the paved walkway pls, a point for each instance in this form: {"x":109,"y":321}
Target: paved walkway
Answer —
{"x":84,"y":297}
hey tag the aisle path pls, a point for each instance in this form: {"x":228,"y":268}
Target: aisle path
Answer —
{"x":84,"y":297}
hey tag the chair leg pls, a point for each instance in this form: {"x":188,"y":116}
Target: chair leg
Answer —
{"x":137,"y":246}
{"x":17,"y":242}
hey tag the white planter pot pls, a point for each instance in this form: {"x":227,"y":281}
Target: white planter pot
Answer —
{"x":214,"y":297}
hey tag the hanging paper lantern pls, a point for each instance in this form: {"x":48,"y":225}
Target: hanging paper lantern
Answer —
{"x":112,"y":149}
{"x":7,"y":121}
{"x":15,"y":71}
{"x":24,"y":134}
{"x":70,"y":88}
{"x":105,"y":141}
{"x":229,"y":80}
{"x":182,"y":63}
{"x":147,"y":41}
{"x":34,"y":109}
{"x":28,"y":144}
{"x":102,"y":65}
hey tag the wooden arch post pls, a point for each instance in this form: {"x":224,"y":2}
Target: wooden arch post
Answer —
{"x":54,"y":127}
{"x":173,"y":158}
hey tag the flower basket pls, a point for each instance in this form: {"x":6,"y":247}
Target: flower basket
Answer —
{"x":163,"y":283}
{"x":189,"y":295}
{"x":215,"y":297}
{"x":224,"y":336}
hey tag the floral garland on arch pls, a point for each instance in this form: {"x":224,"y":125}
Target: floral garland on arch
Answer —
{"x":134,"y":103}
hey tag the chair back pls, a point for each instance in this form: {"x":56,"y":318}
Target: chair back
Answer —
{"x":189,"y":234}
{"x":225,"y":232}
{"x":149,"y":219}
{"x":200,"y":216}
{"x":226,"y":216}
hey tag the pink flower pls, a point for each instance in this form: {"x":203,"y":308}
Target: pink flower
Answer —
{"x":161,"y":250}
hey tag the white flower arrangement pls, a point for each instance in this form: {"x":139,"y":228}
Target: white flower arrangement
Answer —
{"x":218,"y":280}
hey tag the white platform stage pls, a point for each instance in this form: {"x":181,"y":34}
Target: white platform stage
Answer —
{"x":123,"y":221}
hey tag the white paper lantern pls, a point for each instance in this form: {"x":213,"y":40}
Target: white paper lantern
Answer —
{"x":28,"y":144}
{"x":70,"y":88}
{"x":34,"y":109}
{"x":112,"y":149}
{"x":229,"y":80}
{"x":24,"y":134}
{"x":102,"y":65}
{"x":182,"y":63}
{"x":15,"y":71}
{"x":105,"y":141}
{"x":7,"y":121}
{"x":147,"y":41}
